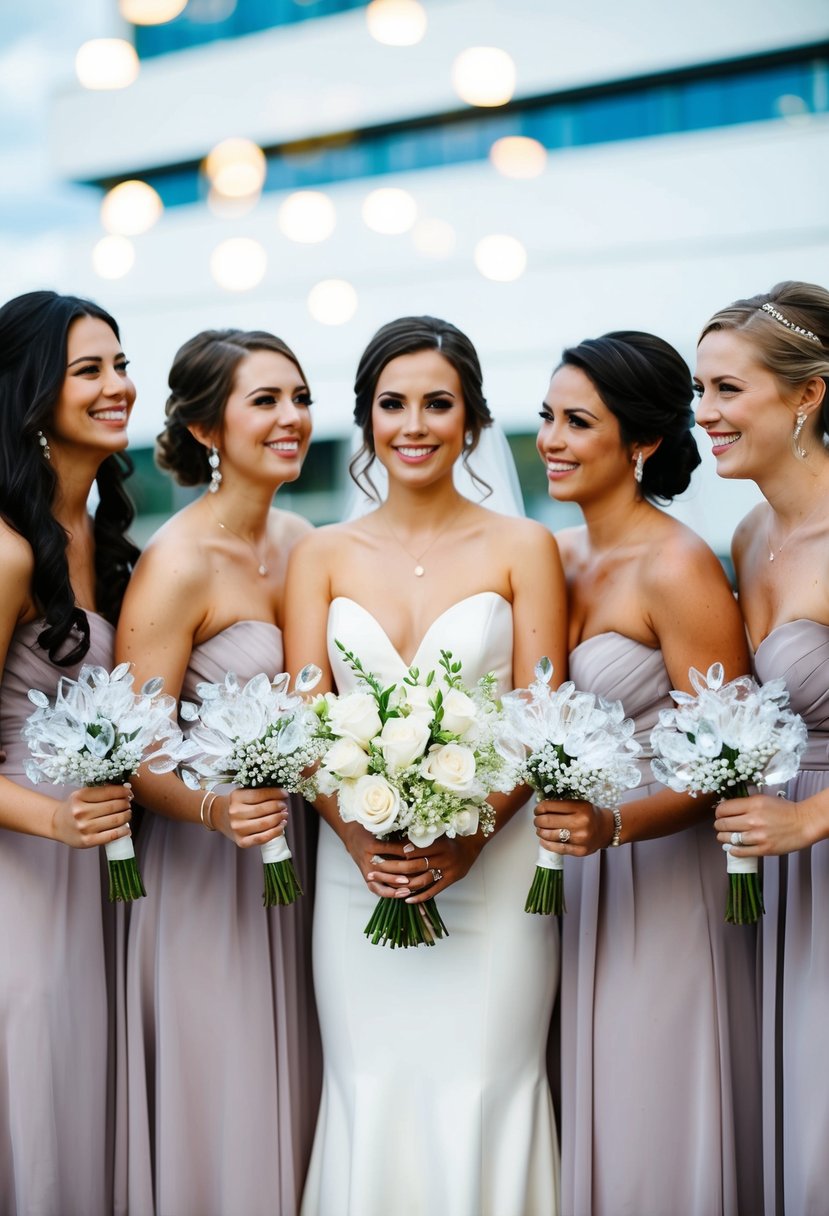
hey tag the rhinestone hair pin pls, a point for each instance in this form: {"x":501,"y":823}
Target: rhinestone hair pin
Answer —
{"x":796,"y":329}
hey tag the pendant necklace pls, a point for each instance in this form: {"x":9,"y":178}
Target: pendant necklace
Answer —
{"x":773,"y":552}
{"x":417,"y":558}
{"x":262,"y":569}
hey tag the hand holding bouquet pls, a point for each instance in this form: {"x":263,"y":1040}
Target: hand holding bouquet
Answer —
{"x":417,"y":759}
{"x":256,"y":735}
{"x":722,"y":740}
{"x":98,"y":732}
{"x":579,"y":747}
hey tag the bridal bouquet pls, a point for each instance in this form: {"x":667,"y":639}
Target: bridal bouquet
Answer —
{"x":722,"y":740}
{"x":259,"y":734}
{"x":580,"y":747}
{"x":98,"y":732}
{"x":417,"y":759}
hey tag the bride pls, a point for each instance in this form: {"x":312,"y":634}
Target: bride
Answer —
{"x":435,"y":1095}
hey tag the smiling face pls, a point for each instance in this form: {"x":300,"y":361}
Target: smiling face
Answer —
{"x":580,"y":441}
{"x":741,"y":407}
{"x":97,"y":396}
{"x":418,"y":417}
{"x":267,"y":421}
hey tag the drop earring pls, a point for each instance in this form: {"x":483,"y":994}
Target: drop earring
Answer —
{"x":638,"y":469}
{"x":800,"y":422}
{"x":214,"y":461}
{"x":46,"y":451}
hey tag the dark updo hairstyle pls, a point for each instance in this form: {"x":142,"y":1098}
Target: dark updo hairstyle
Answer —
{"x":790,"y":335}
{"x":201,"y":380}
{"x":646,"y":385}
{"x":407,"y":336}
{"x":33,"y":339}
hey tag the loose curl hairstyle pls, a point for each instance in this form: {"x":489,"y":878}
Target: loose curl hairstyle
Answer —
{"x":201,"y":380}
{"x":407,"y":336}
{"x":33,"y":339}
{"x":647,"y":386}
{"x":792,"y":357}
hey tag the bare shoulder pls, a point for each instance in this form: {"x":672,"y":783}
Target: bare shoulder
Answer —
{"x":747,"y":529}
{"x":16,"y":557}
{"x":677,"y":558}
{"x":516,"y":532}
{"x":288,"y":526}
{"x":176,"y":554}
{"x":570,"y":542}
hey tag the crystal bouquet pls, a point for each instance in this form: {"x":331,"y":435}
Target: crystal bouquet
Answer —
{"x":417,"y":759}
{"x":259,"y":734}
{"x":722,"y":740}
{"x":577,"y":746}
{"x":98,"y":732}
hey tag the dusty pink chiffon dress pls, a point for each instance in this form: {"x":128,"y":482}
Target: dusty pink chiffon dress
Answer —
{"x":660,"y":1050}
{"x":222,"y":1040}
{"x":56,"y":931}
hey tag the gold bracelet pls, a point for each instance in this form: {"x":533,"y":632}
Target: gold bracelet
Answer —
{"x":204,"y":811}
{"x":617,"y":829}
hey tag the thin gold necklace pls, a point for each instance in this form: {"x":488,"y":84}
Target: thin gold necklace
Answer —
{"x":773,"y":552}
{"x":261,"y":567}
{"x":417,"y":558}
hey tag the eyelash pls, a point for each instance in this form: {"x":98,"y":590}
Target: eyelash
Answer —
{"x":267,"y":399}
{"x":440,"y":403}
{"x":723,"y":388}
{"x":581,"y":424}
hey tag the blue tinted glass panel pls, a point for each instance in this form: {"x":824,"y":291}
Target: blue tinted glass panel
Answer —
{"x":211,"y":20}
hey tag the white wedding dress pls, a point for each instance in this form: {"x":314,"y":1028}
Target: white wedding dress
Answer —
{"x":435,"y":1096}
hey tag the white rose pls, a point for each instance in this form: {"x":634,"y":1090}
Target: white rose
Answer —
{"x":459,"y":712}
{"x":417,"y":698}
{"x":376,"y":804}
{"x":346,"y":800}
{"x":451,"y":768}
{"x":345,"y":758}
{"x":403,"y":740}
{"x":466,"y":821}
{"x":354,"y":716}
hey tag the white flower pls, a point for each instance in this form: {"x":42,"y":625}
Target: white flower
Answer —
{"x":345,"y":758}
{"x":376,"y":804}
{"x":346,"y":800}
{"x":459,"y":712}
{"x":451,"y":768}
{"x":354,"y":716}
{"x":403,"y":740}
{"x":416,"y":698}
{"x":466,"y":821}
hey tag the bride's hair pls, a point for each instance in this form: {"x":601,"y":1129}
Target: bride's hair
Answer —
{"x":407,"y":336}
{"x":33,"y":335}
{"x":647,"y":386}
{"x":201,"y":380}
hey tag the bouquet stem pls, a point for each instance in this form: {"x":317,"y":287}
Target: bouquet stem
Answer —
{"x":125,"y":883}
{"x":282,"y":887}
{"x":546,"y":895}
{"x":396,"y":923}
{"x":745,"y":897}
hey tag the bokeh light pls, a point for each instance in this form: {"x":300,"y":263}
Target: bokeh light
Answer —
{"x":500,"y":258}
{"x":332,"y":301}
{"x":389,"y":210}
{"x":484,"y":76}
{"x":113,"y":257}
{"x":238,"y":264}
{"x":106,"y":63}
{"x":434,"y":238}
{"x":517,"y":156}
{"x":236,"y":168}
{"x":150,"y":12}
{"x":396,"y":22}
{"x":307,"y":216}
{"x":130,"y":208}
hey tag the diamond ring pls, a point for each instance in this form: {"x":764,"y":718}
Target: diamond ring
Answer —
{"x":563,"y":835}
{"x":737,"y":838}
{"x":437,"y":875}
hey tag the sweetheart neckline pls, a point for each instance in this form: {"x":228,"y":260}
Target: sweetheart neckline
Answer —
{"x":233,"y":625}
{"x":614,"y":633}
{"x":798,"y":620}
{"x":466,"y":599}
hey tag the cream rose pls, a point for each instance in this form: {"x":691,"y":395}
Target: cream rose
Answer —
{"x":451,"y":767}
{"x":466,"y":821}
{"x":345,"y":800}
{"x":345,"y":758}
{"x":403,"y":740}
{"x":459,"y":712}
{"x":354,"y":716}
{"x":376,"y":804}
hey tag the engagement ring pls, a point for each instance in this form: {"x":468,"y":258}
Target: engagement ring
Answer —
{"x":563,"y":835}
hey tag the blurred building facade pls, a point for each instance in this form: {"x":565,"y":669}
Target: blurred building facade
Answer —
{"x":685,"y":163}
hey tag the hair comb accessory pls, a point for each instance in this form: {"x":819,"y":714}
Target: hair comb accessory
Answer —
{"x":796,"y":329}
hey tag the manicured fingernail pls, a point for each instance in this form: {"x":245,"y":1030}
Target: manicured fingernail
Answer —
{"x":408,"y":848}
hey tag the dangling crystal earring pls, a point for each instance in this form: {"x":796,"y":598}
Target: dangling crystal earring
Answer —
{"x":46,"y":451}
{"x":215,"y":476}
{"x":638,"y":469}
{"x":800,"y":422}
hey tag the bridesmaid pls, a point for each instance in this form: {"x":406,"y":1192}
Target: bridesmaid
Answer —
{"x":659,"y":1045}
{"x":762,"y":374}
{"x":221,"y":1029}
{"x":65,"y":400}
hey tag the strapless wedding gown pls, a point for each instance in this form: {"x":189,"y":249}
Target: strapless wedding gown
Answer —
{"x":435,"y":1097}
{"x":795,"y":995}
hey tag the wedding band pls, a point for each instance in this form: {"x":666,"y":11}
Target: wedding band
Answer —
{"x":376,"y":861}
{"x":737,"y":838}
{"x":426,"y":867}
{"x":563,"y":835}
{"x":437,"y":875}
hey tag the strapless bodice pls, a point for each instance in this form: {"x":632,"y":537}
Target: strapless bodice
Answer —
{"x":798,"y":652}
{"x":477,"y":630}
{"x":245,"y":647}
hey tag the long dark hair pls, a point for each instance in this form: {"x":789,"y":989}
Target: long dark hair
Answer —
{"x":406,"y":336}
{"x":33,"y":338}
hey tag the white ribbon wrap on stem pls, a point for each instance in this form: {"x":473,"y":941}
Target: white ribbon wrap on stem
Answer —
{"x":739,"y":865}
{"x":275,"y":850}
{"x":121,"y":849}
{"x":549,"y":861}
